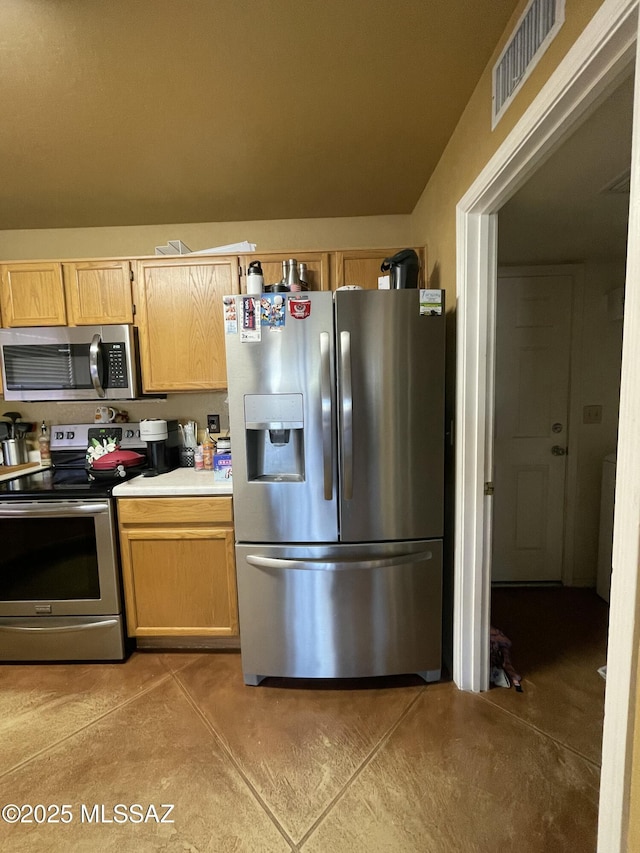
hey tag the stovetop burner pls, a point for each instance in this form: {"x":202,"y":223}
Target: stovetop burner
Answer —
{"x":48,"y":483}
{"x":68,"y":477}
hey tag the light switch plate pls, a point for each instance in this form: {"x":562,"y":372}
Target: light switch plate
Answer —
{"x":592,"y":415}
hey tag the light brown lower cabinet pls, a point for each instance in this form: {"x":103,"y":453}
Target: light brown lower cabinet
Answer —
{"x":178,"y":566}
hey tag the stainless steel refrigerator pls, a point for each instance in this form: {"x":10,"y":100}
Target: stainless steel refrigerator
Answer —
{"x":336,"y":409}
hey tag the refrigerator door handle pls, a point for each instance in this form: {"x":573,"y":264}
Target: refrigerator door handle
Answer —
{"x":337,"y":565}
{"x":325,"y":401}
{"x":346,"y":402}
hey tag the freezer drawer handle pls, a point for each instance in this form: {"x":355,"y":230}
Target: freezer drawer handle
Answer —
{"x":61,"y":629}
{"x":325,"y":394}
{"x":312,"y":565}
{"x":347,"y":415}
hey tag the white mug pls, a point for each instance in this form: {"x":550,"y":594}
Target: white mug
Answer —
{"x":104,"y":415}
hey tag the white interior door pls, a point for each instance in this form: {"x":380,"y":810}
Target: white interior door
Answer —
{"x":533,"y":341}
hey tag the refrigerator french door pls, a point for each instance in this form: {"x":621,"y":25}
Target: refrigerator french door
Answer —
{"x":336,"y":407}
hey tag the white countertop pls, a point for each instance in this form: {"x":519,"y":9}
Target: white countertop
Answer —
{"x":180,"y":481}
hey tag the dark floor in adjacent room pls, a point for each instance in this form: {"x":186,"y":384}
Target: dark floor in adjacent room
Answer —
{"x":378,"y":765}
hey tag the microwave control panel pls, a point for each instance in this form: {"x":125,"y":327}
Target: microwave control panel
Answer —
{"x":116,"y":363}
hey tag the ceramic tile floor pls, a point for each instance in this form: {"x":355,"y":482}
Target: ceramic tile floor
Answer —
{"x":377,"y":765}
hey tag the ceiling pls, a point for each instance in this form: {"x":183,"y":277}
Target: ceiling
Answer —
{"x":566,"y":211}
{"x":150,"y":112}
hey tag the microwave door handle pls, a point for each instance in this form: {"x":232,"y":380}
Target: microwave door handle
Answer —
{"x":94,"y":361}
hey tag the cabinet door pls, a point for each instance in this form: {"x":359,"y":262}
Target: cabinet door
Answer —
{"x":98,"y":292}
{"x":181,"y":322}
{"x":32,"y":294}
{"x":179,"y":581}
{"x":317,"y":267}
{"x":362,"y":266}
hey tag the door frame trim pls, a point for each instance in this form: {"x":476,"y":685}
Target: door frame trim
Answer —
{"x":592,"y":68}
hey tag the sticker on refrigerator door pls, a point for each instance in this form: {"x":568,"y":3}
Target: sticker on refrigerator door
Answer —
{"x":299,"y":307}
{"x":250,"y":330}
{"x":430,"y":302}
{"x":230,"y":315}
{"x":272,"y":311}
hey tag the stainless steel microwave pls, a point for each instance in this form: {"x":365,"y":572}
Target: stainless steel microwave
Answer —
{"x":69,"y":363}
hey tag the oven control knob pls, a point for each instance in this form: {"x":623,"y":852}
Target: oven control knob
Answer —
{"x":71,"y":434}
{"x":58,"y":436}
{"x":129,"y":433}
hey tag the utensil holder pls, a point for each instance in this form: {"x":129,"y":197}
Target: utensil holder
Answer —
{"x":15,"y":451}
{"x":187,"y":457}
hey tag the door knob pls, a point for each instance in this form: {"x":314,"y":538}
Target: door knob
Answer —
{"x":556,"y":450}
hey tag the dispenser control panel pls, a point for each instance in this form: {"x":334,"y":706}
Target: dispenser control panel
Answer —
{"x":273,"y":411}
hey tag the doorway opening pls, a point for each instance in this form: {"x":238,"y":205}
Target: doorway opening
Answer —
{"x":558,"y":352}
{"x":562,"y":243}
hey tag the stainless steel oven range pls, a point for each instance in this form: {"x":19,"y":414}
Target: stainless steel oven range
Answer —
{"x":60,"y":586}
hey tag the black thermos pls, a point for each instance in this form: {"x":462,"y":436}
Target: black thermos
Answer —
{"x":403,"y":269}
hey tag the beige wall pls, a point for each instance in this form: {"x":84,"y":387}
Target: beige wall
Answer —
{"x":598,"y":382}
{"x":473,"y":143}
{"x":275,"y":235}
{"x":181,"y":407}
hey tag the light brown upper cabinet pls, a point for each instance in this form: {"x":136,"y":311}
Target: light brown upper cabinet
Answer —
{"x":98,"y":292}
{"x":362,"y":266}
{"x":51,"y":293}
{"x":180,"y":320}
{"x":317,"y":267}
{"x":32,"y":294}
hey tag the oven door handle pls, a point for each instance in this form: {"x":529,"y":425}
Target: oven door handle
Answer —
{"x":52,"y":508}
{"x":16,"y":629}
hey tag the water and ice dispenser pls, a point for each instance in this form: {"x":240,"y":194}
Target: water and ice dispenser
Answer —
{"x":274,"y":430}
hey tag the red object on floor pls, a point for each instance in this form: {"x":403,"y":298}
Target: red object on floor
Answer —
{"x":501,"y":656}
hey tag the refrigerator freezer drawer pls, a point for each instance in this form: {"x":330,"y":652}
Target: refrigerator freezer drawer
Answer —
{"x":340,"y":611}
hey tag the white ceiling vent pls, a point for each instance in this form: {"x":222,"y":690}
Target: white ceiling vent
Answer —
{"x":533,"y":34}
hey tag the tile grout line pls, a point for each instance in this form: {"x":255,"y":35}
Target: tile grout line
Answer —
{"x":210,"y":727}
{"x":365,"y":763}
{"x":540,"y":731}
{"x":87,"y":725}
{"x":180,"y":668}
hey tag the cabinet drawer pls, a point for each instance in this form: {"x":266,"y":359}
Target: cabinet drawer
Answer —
{"x":203,"y":510}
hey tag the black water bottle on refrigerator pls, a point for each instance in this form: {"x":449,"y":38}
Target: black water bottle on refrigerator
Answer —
{"x":403,"y":268}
